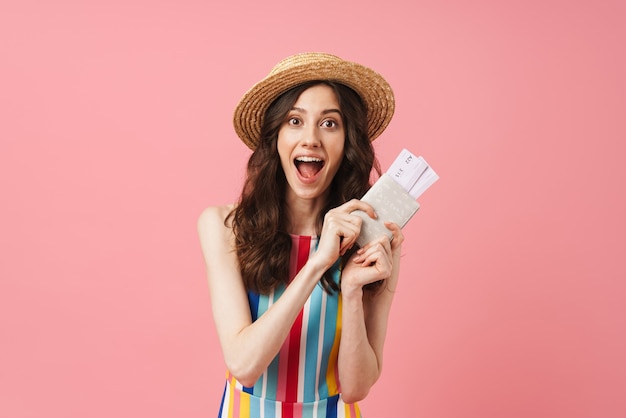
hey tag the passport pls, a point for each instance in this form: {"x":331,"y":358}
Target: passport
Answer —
{"x":394,"y":195}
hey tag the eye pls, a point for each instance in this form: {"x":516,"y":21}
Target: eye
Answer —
{"x":329,"y":123}
{"x":293,"y":121}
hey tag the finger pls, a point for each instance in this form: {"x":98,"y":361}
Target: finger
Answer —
{"x":346,"y":228}
{"x":396,"y":233}
{"x":382,"y":240}
{"x":348,"y":239}
{"x":356,"y":204}
{"x":340,"y":219}
{"x":373,"y":252}
{"x":378,"y":262}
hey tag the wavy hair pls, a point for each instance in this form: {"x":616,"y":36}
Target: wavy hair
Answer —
{"x":259,"y":220}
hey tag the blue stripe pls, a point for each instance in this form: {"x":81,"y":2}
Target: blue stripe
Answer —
{"x":255,"y":406}
{"x":330,"y":326}
{"x":262,"y":303}
{"x":270,"y":408}
{"x":272,"y":369}
{"x":308,"y":410}
{"x":253,"y":300}
{"x":332,"y":307}
{"x":219,"y":414}
{"x":331,"y":407}
{"x":312,"y":344}
{"x":272,"y":379}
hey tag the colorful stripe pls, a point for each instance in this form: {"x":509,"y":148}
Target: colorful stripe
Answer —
{"x":241,"y":404}
{"x":332,"y":373}
{"x":302,"y":380}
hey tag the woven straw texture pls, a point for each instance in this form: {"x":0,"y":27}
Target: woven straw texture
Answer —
{"x":310,"y":66}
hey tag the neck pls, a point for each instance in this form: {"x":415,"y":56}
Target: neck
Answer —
{"x":302,"y":215}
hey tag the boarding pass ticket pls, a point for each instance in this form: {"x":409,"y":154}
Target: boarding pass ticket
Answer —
{"x":412,"y":173}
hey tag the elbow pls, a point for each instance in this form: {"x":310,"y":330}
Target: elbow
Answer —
{"x":245,"y":378}
{"x":244,"y":372}
{"x":357,"y":388}
{"x":354,"y":395}
{"x":246,"y":381}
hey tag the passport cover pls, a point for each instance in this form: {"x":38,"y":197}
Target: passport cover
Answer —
{"x":392,"y":204}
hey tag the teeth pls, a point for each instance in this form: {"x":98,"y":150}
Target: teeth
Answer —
{"x":309,"y":159}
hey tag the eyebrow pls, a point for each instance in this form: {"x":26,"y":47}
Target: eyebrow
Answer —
{"x":324,"y":112}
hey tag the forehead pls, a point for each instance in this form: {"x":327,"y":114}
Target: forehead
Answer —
{"x":319,"y":95}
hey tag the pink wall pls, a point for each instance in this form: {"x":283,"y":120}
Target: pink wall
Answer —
{"x":115,"y":132}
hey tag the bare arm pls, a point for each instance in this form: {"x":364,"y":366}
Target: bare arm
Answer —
{"x":248,"y":347}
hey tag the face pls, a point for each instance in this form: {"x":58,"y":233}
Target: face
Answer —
{"x":311,"y":143}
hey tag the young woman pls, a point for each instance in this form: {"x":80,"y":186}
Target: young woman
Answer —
{"x":300,"y":311}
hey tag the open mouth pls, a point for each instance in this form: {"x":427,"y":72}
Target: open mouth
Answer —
{"x":308,"y":167}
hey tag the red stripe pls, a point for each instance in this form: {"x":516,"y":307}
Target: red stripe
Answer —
{"x":304,"y":248}
{"x":294,"y":360}
{"x":286,"y":410}
{"x":300,"y":249}
{"x":281,"y":384}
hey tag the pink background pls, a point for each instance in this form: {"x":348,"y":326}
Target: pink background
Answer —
{"x":115,"y":132}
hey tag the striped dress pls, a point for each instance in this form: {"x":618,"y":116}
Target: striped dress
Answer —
{"x":302,"y":380}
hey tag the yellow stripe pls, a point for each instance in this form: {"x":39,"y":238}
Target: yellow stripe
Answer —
{"x":244,"y":404}
{"x":352,"y":410}
{"x":331,"y":378}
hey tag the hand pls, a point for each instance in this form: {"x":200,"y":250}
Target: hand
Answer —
{"x":397,"y":237}
{"x":373,"y":262}
{"x":340,"y":230}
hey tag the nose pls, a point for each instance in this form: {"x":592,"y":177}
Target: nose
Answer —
{"x":311,"y":136}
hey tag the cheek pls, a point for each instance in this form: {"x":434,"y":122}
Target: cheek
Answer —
{"x":338,"y":148}
{"x":281,"y":145}
{"x":337,"y":154}
{"x":284,"y":151}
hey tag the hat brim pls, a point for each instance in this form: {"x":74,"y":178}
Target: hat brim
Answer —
{"x":368,"y":84}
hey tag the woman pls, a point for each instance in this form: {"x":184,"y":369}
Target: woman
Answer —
{"x":300,"y":311}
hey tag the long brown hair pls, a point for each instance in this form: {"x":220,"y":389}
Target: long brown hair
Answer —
{"x":259,"y":219}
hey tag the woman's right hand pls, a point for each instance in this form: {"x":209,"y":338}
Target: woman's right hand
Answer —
{"x":340,"y":230}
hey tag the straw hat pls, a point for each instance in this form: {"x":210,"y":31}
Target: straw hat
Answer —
{"x":298,"y":69}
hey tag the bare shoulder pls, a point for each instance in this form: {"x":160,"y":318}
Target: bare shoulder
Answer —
{"x":213,"y":218}
{"x":215,"y":233}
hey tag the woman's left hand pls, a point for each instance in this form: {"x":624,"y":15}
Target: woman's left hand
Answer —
{"x":372,"y":262}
